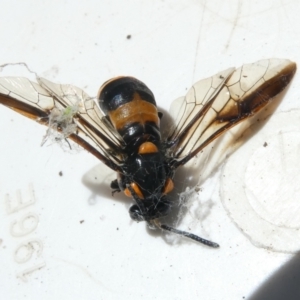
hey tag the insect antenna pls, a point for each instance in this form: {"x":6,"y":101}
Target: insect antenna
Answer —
{"x":188,"y":235}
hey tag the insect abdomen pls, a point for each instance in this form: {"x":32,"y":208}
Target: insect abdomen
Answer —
{"x":131,"y":108}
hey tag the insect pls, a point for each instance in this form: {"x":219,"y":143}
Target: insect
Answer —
{"x":121,"y":127}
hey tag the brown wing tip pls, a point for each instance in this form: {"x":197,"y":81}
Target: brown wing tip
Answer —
{"x":278,"y":83}
{"x":289,"y":71}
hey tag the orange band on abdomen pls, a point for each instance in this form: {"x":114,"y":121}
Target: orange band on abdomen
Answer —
{"x":135,"y":111}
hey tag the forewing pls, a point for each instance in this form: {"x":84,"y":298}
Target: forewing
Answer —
{"x":215,"y":104}
{"x":90,"y":118}
{"x":186,"y":110}
{"x":25,"y":97}
{"x":44,"y":100}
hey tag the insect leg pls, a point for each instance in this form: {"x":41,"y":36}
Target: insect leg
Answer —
{"x":115,"y":186}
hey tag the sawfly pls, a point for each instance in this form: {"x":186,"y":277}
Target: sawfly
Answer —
{"x":121,"y":126}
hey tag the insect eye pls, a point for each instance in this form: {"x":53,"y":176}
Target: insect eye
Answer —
{"x":163,"y":208}
{"x":135,"y":213}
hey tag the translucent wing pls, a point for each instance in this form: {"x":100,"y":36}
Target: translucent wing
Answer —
{"x":215,"y":104}
{"x":67,"y":109}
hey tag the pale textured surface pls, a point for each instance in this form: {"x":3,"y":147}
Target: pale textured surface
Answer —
{"x":173,"y":44}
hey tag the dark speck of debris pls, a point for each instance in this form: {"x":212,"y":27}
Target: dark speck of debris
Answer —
{"x":117,"y":228}
{"x":60,"y":173}
{"x":128,"y":37}
{"x":81,"y":221}
{"x":265,"y":144}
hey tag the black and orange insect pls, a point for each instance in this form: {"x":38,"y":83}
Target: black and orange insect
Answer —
{"x":121,"y":127}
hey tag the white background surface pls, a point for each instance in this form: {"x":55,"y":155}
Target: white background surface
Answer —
{"x":172,"y":44}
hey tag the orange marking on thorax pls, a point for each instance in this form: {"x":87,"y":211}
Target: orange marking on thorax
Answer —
{"x":137,"y":190}
{"x":147,"y":147}
{"x":169,"y":185}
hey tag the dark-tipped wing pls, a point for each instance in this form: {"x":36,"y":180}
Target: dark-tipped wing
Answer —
{"x":215,"y":104}
{"x":67,"y":109}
